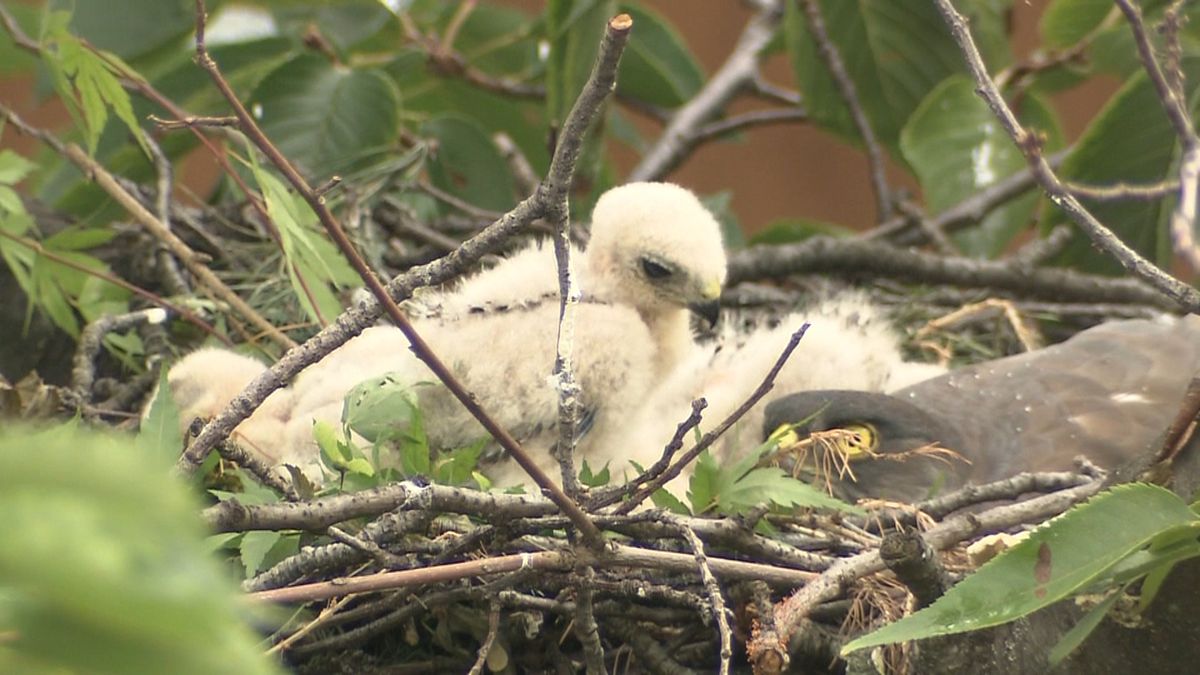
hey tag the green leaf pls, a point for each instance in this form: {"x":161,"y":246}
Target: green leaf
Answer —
{"x":254,"y":548}
{"x":1130,"y":140}
{"x":343,"y":23}
{"x":360,"y":466}
{"x":465,"y":162}
{"x":159,"y":434}
{"x":665,"y":500}
{"x":957,"y":148}
{"x":88,"y":83}
{"x":703,"y":488}
{"x":10,"y":201}
{"x":137,"y":27}
{"x":381,"y":408}
{"x":1059,"y":558}
{"x":895,"y":52}
{"x":1066,"y":22}
{"x":328,"y":119}
{"x":313,"y":262}
{"x":137,"y":588}
{"x":13,"y":167}
{"x":457,"y":467}
{"x":79,"y":238}
{"x":332,"y":450}
{"x":657,"y":67}
{"x":574,"y":28}
{"x":594,"y":480}
{"x":13,"y":59}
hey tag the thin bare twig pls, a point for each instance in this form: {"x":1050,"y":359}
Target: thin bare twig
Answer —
{"x":737,"y":73}
{"x":616,"y":494}
{"x":711,"y":437}
{"x":860,"y":258}
{"x":713,"y":589}
{"x":755,"y":118}
{"x":586,"y":629}
{"x":849,"y":93}
{"x":489,"y":639}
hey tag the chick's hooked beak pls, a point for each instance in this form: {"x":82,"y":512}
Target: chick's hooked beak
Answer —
{"x":709,"y":308}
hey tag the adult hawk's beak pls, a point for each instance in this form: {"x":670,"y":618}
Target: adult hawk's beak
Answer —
{"x":710,"y":308}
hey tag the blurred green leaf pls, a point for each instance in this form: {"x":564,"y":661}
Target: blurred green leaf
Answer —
{"x":574,"y":28}
{"x":313,"y":263}
{"x":13,"y":59}
{"x":466,"y":163}
{"x":87,"y":82}
{"x":255,"y":546}
{"x":895,"y":52}
{"x":328,"y":119}
{"x":457,"y":467}
{"x":1130,"y":140}
{"x":135,"y":588}
{"x":159,"y":433}
{"x":134,"y":27}
{"x":344,"y":23}
{"x":788,"y":231}
{"x":957,"y":148}
{"x":657,"y":66}
{"x":1066,"y":22}
{"x":1059,"y":558}
{"x":13,"y":167}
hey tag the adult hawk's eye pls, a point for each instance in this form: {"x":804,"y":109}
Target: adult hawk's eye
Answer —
{"x":655,"y":270}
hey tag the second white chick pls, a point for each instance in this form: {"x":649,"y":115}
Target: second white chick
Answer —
{"x":849,"y":345}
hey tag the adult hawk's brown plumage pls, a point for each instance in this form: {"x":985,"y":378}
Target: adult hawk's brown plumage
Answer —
{"x":1108,"y":393}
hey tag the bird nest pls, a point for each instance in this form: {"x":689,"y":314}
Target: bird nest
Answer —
{"x":435,"y":578}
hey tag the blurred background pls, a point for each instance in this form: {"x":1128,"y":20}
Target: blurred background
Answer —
{"x":769,"y":170}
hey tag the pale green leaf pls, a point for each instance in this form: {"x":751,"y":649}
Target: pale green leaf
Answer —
{"x":255,"y":546}
{"x":957,"y":148}
{"x":159,"y":434}
{"x":381,"y":408}
{"x":14,"y":168}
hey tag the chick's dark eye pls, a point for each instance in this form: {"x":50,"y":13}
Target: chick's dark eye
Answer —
{"x":655,"y":270}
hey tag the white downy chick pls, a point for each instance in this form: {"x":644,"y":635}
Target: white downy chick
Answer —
{"x":655,"y":253}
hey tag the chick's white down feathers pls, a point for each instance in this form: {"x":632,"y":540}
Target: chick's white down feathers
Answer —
{"x":654,"y":251}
